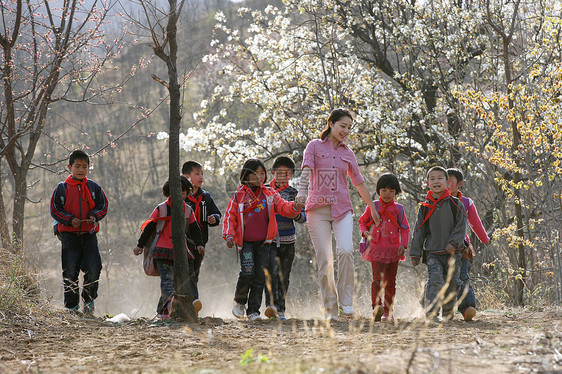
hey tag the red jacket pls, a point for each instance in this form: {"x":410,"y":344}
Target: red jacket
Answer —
{"x":233,"y":224}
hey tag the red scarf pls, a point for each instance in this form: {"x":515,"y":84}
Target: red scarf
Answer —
{"x":197,"y":211}
{"x":382,"y":211}
{"x":84,"y":188}
{"x":254,"y":197}
{"x":273,"y":185}
{"x":433,"y":204}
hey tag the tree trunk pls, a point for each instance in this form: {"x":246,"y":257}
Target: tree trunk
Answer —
{"x":183,"y":298}
{"x":4,"y":232}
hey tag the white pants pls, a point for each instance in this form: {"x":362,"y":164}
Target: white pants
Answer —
{"x":320,"y":226}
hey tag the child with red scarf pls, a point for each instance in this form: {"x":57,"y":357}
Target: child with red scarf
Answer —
{"x":77,"y":205}
{"x":250,"y":224}
{"x":387,"y":243}
{"x":207,"y":215}
{"x":282,"y":169}
{"x":164,"y":249}
{"x":439,"y":232}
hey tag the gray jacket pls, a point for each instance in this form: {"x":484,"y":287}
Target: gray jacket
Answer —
{"x":440,"y":229}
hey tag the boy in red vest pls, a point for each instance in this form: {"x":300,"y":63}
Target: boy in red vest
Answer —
{"x":440,"y":231}
{"x":78,"y":204}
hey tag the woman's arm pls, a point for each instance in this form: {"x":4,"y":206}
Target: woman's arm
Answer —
{"x":366,"y":195}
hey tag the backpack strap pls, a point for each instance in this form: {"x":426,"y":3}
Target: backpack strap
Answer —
{"x":400,"y":208}
{"x":162,"y":212}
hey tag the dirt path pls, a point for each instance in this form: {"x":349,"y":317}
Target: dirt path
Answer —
{"x":515,"y":341}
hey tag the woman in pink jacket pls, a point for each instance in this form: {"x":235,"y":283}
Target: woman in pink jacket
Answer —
{"x":327,"y":163}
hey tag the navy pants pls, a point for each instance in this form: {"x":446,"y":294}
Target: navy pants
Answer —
{"x":194,"y":269}
{"x":254,"y":259}
{"x":283,"y":259}
{"x":166,"y":269}
{"x":465,"y":293}
{"x":438,"y":270}
{"x":80,"y":252}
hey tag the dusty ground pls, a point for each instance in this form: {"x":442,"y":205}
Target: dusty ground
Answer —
{"x":496,"y":342}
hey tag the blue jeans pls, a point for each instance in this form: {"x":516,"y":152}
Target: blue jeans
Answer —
{"x":254,"y":258}
{"x":194,"y":269}
{"x":80,"y":252}
{"x":463,"y":285}
{"x":437,"y":269}
{"x":166,"y":270}
{"x":285,"y":255}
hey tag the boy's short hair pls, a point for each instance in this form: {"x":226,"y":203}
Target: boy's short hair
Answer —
{"x":189,"y":166}
{"x":438,"y":168}
{"x":455,"y":173}
{"x":78,"y":155}
{"x":388,"y":180}
{"x":284,"y":161}
{"x":251,"y":166}
{"x":185,"y":186}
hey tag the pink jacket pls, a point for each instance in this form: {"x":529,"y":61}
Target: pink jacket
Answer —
{"x":233,"y":224}
{"x":387,"y":237}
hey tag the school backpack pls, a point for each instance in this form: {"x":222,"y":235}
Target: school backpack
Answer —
{"x":148,"y":263}
{"x":364,"y":243}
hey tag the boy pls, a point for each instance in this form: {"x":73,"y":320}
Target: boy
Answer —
{"x":206,"y":213}
{"x":78,"y":204}
{"x":440,"y":231}
{"x":465,"y":294}
{"x":282,"y":170}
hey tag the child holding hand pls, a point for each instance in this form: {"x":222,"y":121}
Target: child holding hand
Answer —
{"x":250,"y":224}
{"x":387,"y":243}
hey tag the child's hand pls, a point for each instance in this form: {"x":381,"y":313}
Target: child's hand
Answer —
{"x":212,"y":219}
{"x":450,"y":249}
{"x":75,"y":222}
{"x":366,"y":234}
{"x":297,"y":206}
{"x":201,"y":250}
{"x":230,"y":242}
{"x":301,"y":200}
{"x":137,"y":250}
{"x":401,"y":251}
{"x":415,"y":262}
{"x":91,"y":220}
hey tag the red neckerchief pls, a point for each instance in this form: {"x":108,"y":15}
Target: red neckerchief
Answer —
{"x":382,"y":210}
{"x":273,"y":185}
{"x":254,"y":197}
{"x":165,"y":218}
{"x":432,"y":204}
{"x":197,"y":210}
{"x":85,"y":190}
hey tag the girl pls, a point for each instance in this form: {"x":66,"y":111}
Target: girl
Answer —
{"x":163,"y":252}
{"x":388,"y":242}
{"x":327,"y":163}
{"x":249,"y":222}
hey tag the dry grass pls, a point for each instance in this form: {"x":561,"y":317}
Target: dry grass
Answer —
{"x":19,"y":289}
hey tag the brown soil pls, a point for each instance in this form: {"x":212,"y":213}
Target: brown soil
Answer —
{"x":512,"y":341}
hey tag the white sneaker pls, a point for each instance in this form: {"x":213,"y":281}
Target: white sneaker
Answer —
{"x":254,"y":316}
{"x":347,"y":310}
{"x":271,"y":312}
{"x":238,"y":310}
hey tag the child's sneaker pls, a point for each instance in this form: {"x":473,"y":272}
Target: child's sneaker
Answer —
{"x":378,"y":313}
{"x":89,"y":308}
{"x":74,"y":309}
{"x":197,"y":305}
{"x":469,"y":313}
{"x":387,"y":318}
{"x":254,"y":316}
{"x":282,"y":316}
{"x":347,"y":310}
{"x":271,"y":312}
{"x":238,"y":310}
